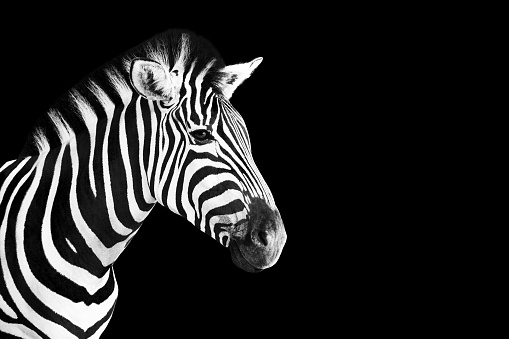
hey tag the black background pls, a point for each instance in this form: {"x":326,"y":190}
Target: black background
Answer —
{"x":173,"y":278}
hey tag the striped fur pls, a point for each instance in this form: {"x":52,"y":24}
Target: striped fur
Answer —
{"x":93,"y":169}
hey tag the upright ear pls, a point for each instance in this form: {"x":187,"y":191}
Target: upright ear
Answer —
{"x":234,"y":75}
{"x":152,"y":80}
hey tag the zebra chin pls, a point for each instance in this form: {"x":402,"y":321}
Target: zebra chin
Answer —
{"x":257,"y":244}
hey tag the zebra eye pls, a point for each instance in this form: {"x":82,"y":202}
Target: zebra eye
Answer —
{"x":202,"y":135}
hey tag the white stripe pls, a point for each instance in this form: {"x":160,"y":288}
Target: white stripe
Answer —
{"x":90,"y":119}
{"x":18,"y":330}
{"x":71,"y":246}
{"x":4,"y":166}
{"x":209,"y":107}
{"x":7,"y":309}
{"x":189,"y":90}
{"x":197,"y":83}
{"x":197,"y":104}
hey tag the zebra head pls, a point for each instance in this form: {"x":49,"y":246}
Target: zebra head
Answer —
{"x":203,"y":168}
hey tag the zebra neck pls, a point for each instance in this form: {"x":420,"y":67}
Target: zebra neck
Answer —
{"x":102,"y":192}
{"x":113,"y":197}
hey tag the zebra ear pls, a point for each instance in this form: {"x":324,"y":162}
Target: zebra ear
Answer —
{"x":151,"y":79}
{"x":234,"y":75}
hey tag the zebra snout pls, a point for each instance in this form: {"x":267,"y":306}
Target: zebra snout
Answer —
{"x":258,"y":243}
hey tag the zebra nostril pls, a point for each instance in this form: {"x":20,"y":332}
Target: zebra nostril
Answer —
{"x":262,"y":237}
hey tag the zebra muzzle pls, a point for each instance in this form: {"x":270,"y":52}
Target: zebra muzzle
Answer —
{"x":257,"y":243}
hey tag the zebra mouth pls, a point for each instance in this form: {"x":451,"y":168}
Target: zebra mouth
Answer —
{"x":239,"y":260}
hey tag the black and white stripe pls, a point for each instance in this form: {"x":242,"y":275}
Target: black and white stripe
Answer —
{"x":97,"y":164}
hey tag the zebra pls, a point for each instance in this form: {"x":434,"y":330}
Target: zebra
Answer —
{"x":152,"y":126}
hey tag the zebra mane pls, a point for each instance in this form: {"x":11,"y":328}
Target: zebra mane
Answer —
{"x":93,"y":99}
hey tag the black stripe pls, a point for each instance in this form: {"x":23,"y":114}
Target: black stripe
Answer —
{"x":131,"y":118}
{"x":147,"y":126}
{"x":156,"y":146}
{"x":232,"y":207}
